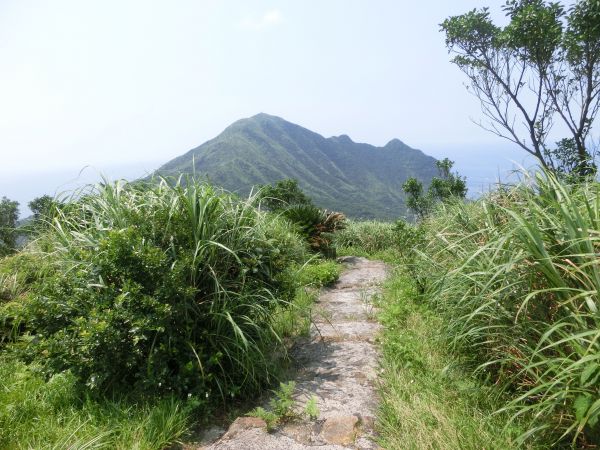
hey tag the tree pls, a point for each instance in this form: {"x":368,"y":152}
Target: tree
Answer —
{"x":418,"y":202}
{"x":9,"y":214}
{"x":448,"y":185}
{"x":541,"y":68}
{"x":283,"y":194}
{"x":42,"y":207}
{"x":444,"y":188}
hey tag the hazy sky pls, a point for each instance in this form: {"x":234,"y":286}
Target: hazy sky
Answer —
{"x":133,"y":84}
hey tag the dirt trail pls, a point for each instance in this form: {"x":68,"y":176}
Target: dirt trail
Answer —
{"x":337,"y":365}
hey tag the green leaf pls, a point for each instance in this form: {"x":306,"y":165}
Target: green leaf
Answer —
{"x":582,"y":404}
{"x":587,"y":374}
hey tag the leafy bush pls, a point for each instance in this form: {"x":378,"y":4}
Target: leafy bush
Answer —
{"x":447,"y":187}
{"x":283,"y":194}
{"x":168,"y":287}
{"x":517,"y":276}
{"x":316,"y":225}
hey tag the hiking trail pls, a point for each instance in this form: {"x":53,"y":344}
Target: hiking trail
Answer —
{"x":337,"y":364}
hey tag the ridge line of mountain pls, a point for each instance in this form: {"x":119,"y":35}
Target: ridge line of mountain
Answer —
{"x":359,"y":179}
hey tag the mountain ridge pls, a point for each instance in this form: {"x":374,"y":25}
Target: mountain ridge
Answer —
{"x":358,"y":179}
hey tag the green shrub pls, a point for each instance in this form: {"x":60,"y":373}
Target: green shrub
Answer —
{"x":517,"y":275}
{"x":281,"y":406}
{"x":18,"y":274}
{"x":166,"y":287}
{"x":282,"y":194}
{"x":311,"y":409}
{"x":316,"y":225}
{"x":319,"y":273}
{"x":369,"y":235}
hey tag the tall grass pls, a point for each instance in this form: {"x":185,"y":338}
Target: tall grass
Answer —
{"x":162,"y":287}
{"x":366,"y":237}
{"x":140,"y":308}
{"x":517,"y":276}
{"x":50,"y":414}
{"x":428,"y":400}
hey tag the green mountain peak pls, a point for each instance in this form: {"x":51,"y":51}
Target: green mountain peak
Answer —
{"x":358,"y":179}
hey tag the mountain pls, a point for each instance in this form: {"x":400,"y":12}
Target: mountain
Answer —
{"x":360,"y":180}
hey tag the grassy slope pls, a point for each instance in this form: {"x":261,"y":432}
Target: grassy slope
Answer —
{"x":428,"y":402}
{"x":52,"y":414}
{"x":358,"y":179}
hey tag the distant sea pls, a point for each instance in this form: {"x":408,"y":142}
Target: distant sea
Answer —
{"x":25,"y":187}
{"x":483,"y":165}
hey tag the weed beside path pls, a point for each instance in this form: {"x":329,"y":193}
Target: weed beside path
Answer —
{"x":427,"y":400}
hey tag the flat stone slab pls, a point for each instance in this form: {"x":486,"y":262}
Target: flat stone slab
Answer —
{"x":340,"y":430}
{"x":346,"y":331}
{"x":336,"y":365}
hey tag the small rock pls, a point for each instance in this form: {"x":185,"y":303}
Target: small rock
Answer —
{"x":300,"y":432}
{"x":340,"y":430}
{"x":367,"y":423}
{"x":244,"y":423}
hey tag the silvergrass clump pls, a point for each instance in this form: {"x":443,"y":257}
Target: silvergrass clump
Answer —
{"x":164,"y":287}
{"x":369,"y":236}
{"x":517,"y":275}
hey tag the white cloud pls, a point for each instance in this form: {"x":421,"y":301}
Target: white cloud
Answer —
{"x":268,"y":19}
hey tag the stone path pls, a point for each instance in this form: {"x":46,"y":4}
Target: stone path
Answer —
{"x":337,"y":365}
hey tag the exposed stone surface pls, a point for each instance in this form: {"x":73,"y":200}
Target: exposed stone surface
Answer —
{"x":242,"y":424}
{"x":340,"y":430}
{"x":337,"y":364}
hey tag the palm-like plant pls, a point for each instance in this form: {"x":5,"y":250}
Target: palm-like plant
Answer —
{"x":316,"y":225}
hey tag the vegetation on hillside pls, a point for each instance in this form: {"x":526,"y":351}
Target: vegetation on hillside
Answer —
{"x":139,"y":306}
{"x":508,"y":286}
{"x":9,"y":214}
{"x":359,"y":180}
{"x":516,"y":276}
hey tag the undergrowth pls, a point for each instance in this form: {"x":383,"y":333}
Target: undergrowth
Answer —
{"x":516,"y":277}
{"x":143,"y":308}
{"x":428,"y":400}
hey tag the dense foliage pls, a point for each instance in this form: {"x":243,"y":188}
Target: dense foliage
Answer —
{"x":9,"y":214}
{"x":516,"y":276}
{"x":43,"y":207}
{"x":447,"y":186}
{"x":282,"y":194}
{"x":316,"y":225}
{"x":160,"y":288}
